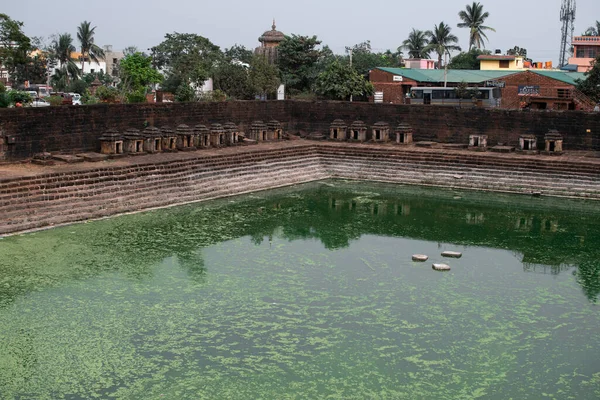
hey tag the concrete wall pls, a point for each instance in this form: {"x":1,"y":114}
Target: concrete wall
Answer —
{"x":72,"y":129}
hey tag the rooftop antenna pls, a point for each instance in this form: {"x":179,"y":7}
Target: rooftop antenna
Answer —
{"x":567,"y":17}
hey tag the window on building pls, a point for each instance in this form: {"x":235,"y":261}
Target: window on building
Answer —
{"x":92,"y":70}
{"x":504,"y":63}
{"x":115,"y":61}
{"x":417,"y":94}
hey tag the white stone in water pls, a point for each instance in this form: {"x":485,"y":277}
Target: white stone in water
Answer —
{"x":452,"y":254}
{"x":420,"y":257}
{"x":441,"y":267}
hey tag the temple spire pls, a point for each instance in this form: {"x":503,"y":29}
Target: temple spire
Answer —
{"x":273,"y":26}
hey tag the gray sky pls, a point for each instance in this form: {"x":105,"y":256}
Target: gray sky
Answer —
{"x":533,"y":24}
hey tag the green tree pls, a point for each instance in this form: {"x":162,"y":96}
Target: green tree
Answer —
{"x":299,"y":58}
{"x":234,"y":80}
{"x":474,"y":18}
{"x":417,"y":44}
{"x":518,"y":51}
{"x":340,"y":81}
{"x":263,"y":77}
{"x":364,"y":59}
{"x":467,"y":60}
{"x":14,"y":45}
{"x":590,"y":86}
{"x":593,"y":30}
{"x":89,"y":50}
{"x":62,"y":51}
{"x":185,"y":59}
{"x":137,"y":72}
{"x":442,"y":41}
{"x":239,"y":53}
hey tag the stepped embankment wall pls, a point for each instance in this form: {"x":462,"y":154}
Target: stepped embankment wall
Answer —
{"x":72,"y":129}
{"x":33,"y":197}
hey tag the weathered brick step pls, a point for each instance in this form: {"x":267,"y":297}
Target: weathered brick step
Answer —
{"x":158,"y":167}
{"x":173,"y":189}
{"x":330,"y":162}
{"x":440,"y":159}
{"x":111,"y":182}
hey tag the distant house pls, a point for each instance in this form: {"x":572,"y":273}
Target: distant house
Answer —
{"x":491,"y":62}
{"x":585,"y":50}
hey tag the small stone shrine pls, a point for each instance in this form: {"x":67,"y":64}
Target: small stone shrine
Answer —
{"x":554,"y":143}
{"x":152,"y":140}
{"x":217,"y":135}
{"x":337,"y":130}
{"x":169,"y":139}
{"x":186,"y":138}
{"x":358,"y":131}
{"x":203,"y":135}
{"x":527,"y":144}
{"x":111,"y":143}
{"x":258,"y":131}
{"x":232,"y":133}
{"x":274,"y":130}
{"x":404,"y":133}
{"x":381,"y":132}
{"x":478,"y":142}
{"x":134,"y":142}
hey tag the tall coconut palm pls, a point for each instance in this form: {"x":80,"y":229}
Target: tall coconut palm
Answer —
{"x":85,"y":34}
{"x":474,"y":18}
{"x":416,"y":44}
{"x":62,"y":50}
{"x":442,"y":41}
{"x":593,"y":30}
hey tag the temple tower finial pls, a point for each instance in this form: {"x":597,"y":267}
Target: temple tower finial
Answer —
{"x":273,"y":26}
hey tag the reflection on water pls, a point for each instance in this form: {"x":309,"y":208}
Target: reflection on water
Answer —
{"x":308,"y":292}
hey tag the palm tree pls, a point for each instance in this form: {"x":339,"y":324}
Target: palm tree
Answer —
{"x":85,"y":34}
{"x":61,"y":50}
{"x":416,"y":44}
{"x":442,"y":41}
{"x":474,"y":18}
{"x":593,"y":30}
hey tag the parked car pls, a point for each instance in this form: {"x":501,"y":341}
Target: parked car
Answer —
{"x":76,"y":99}
{"x":39,"y":102}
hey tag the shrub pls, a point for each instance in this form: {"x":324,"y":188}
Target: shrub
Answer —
{"x":54,"y":100}
{"x":107,"y":94}
{"x":137,"y":96}
{"x":17,"y":96}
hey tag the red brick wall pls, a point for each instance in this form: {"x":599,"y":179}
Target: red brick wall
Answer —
{"x":510,"y":94}
{"x":393,"y":92}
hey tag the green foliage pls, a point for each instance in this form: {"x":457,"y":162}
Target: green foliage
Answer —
{"x":137,"y":96}
{"x":298,"y":62}
{"x":593,"y":30}
{"x":137,"y":72}
{"x":2,"y":88}
{"x":340,"y":81}
{"x":4,"y":100}
{"x":62,"y":51}
{"x":463,"y":91}
{"x":185,"y":93}
{"x":417,"y":44}
{"x":364,"y":59}
{"x":104,"y":78}
{"x":17,"y":96}
{"x":467,"y":60}
{"x":234,"y":80}
{"x":107,"y":94}
{"x":14,"y":47}
{"x":473,"y":18}
{"x":239,"y":53}
{"x":85,"y":35}
{"x":79,"y":86}
{"x":54,"y":100}
{"x":590,"y":86}
{"x":214,"y":96}
{"x":263,"y":77}
{"x":188,"y":57}
{"x":442,"y":41}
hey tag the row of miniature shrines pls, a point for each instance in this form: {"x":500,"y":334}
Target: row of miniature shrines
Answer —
{"x":358,"y":131}
{"x":186,"y":138}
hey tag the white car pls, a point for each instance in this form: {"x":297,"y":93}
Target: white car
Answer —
{"x":38,"y":102}
{"x":76,"y":99}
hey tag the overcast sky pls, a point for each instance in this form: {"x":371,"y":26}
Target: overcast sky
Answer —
{"x":533,"y":24}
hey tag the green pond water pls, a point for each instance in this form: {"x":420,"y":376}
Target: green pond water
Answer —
{"x":309,"y":292}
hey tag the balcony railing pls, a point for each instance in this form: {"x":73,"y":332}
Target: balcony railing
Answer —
{"x":586,"y":40}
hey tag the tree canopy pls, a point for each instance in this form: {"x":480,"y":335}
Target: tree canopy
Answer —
{"x":137,"y":72}
{"x":590,"y":86}
{"x":340,"y":81}
{"x":14,"y":48}
{"x":417,"y":44}
{"x":442,"y":41}
{"x":264,"y":77}
{"x":467,"y":59}
{"x":298,"y":61}
{"x":89,"y":49}
{"x":593,"y":30}
{"x":473,"y":17}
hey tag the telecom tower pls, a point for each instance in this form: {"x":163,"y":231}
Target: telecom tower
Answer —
{"x":567,"y":16}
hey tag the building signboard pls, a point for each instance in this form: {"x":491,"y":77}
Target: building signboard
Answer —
{"x":398,"y":78}
{"x":498,"y":84}
{"x":529,"y":90}
{"x":378,"y":98}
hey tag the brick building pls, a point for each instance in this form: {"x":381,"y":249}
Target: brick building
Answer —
{"x":539,"y":89}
